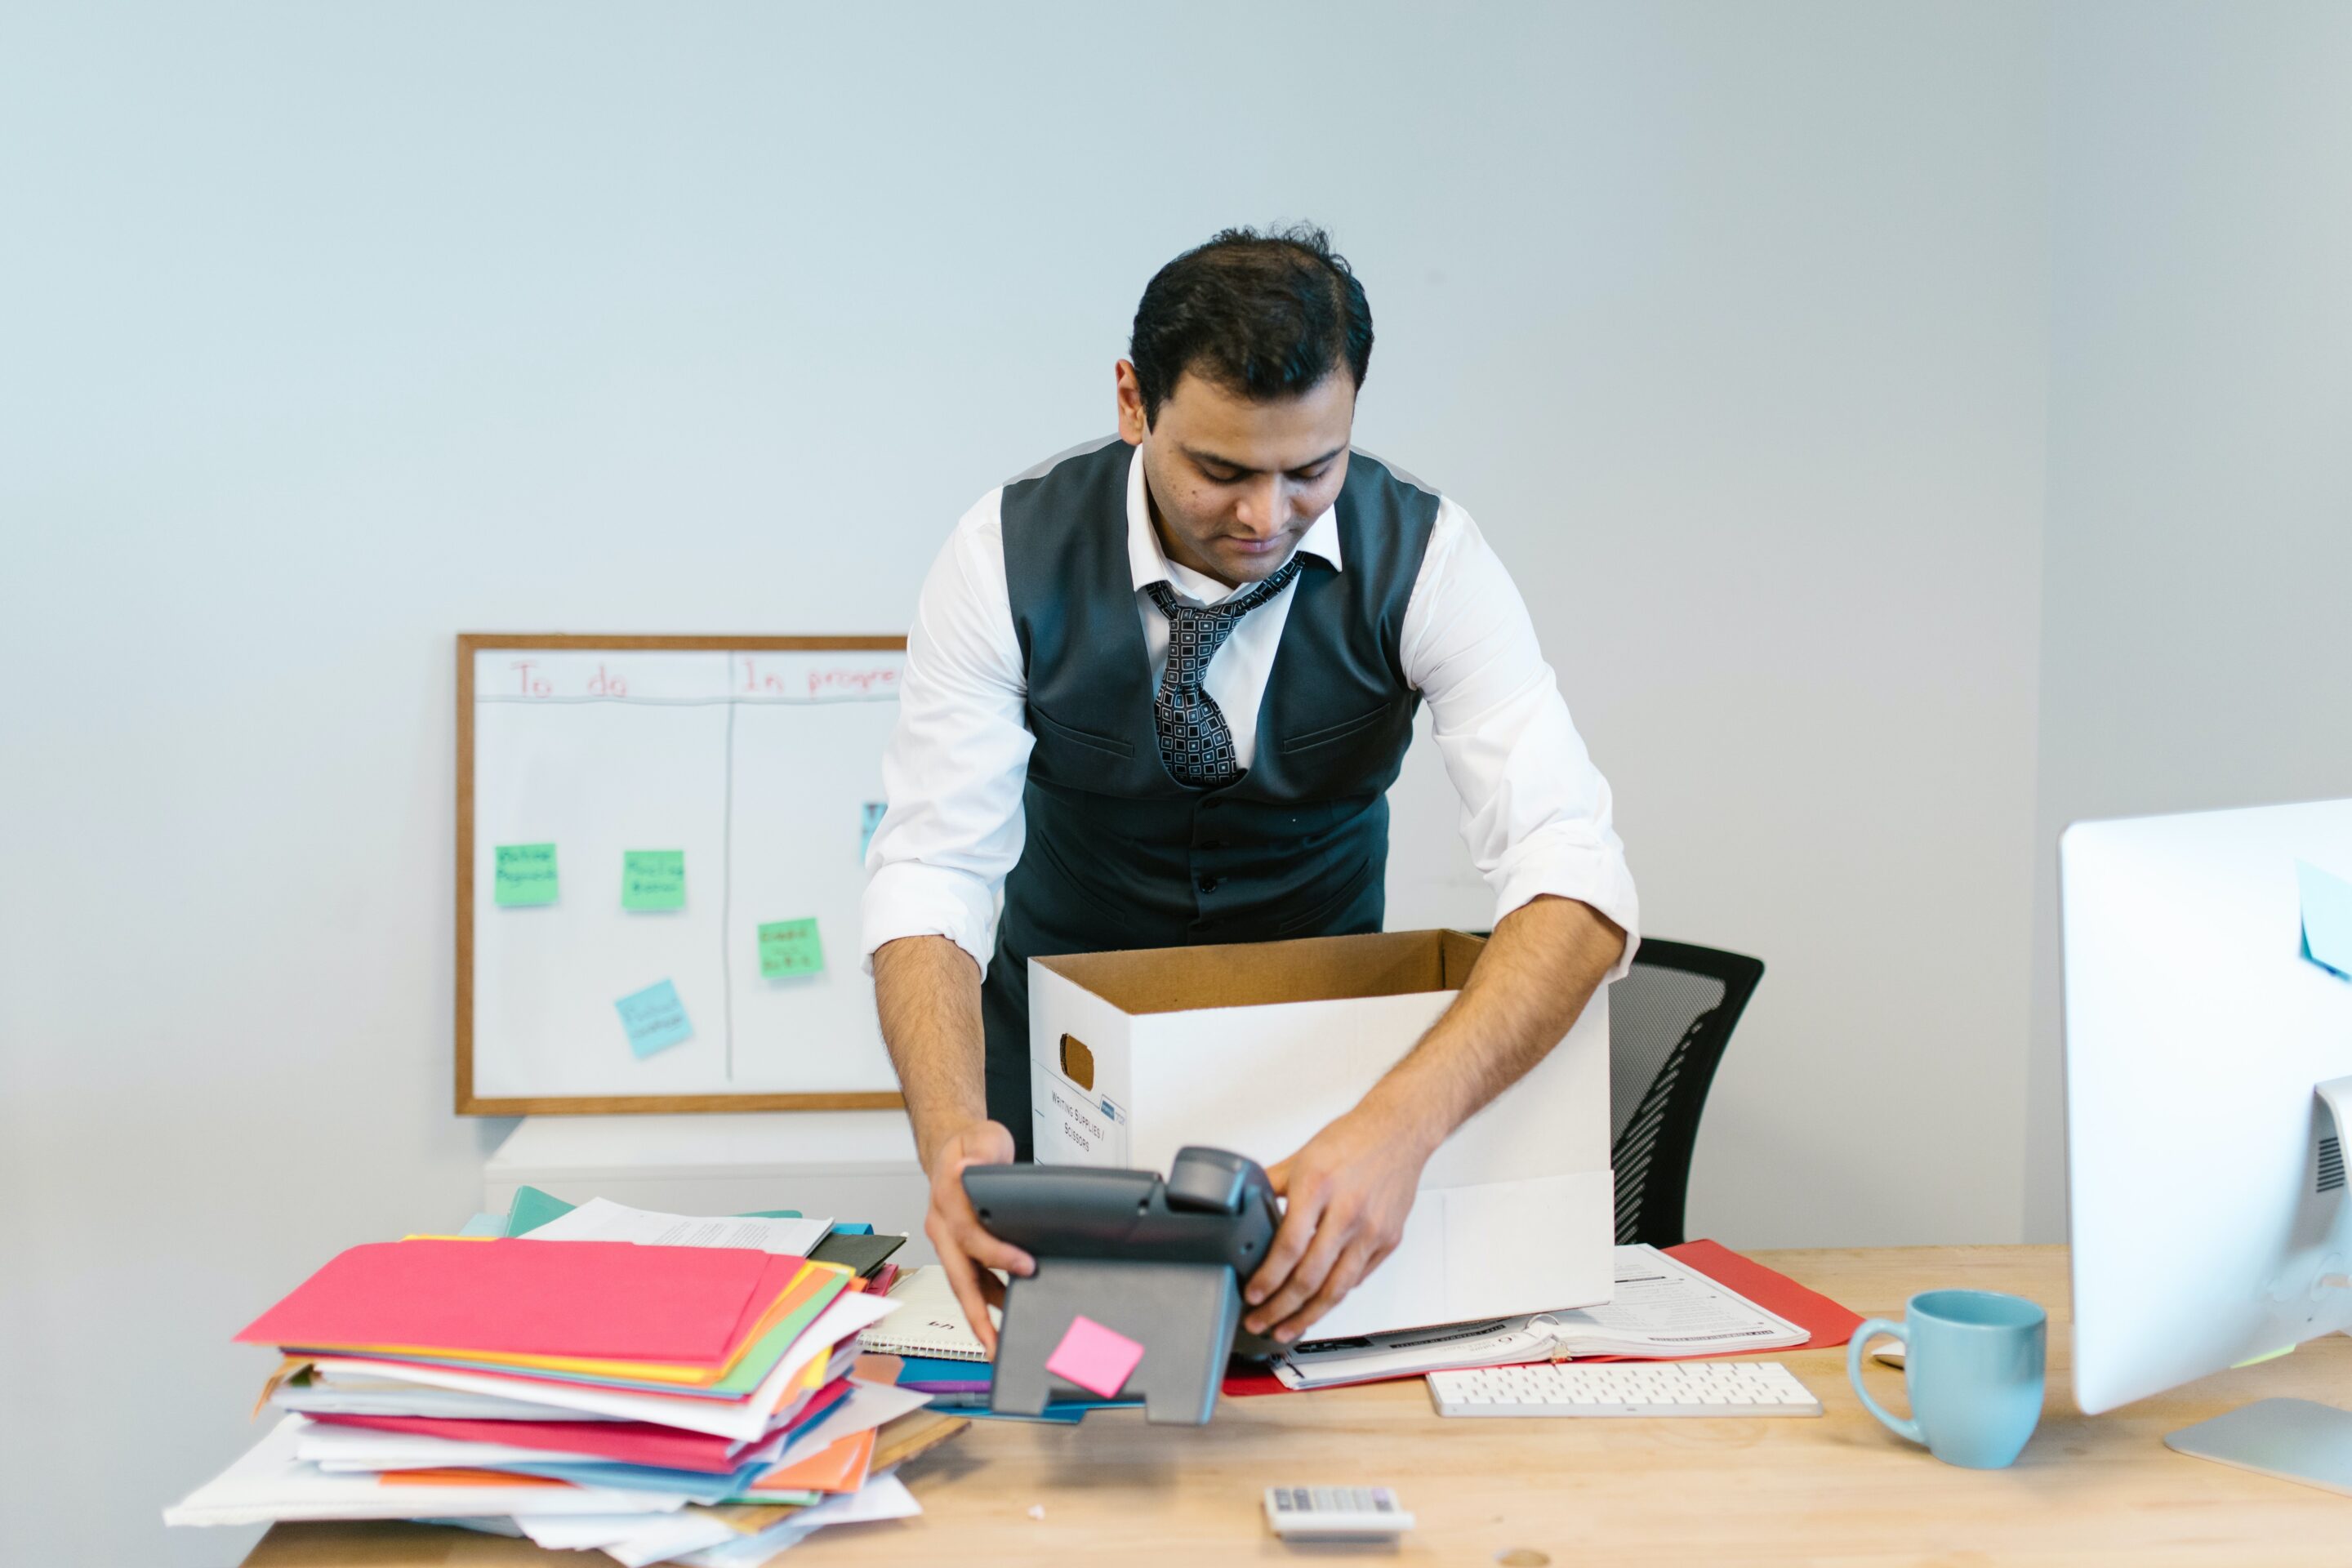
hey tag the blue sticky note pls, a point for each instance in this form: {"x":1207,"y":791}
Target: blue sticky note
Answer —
{"x":2326,"y":918}
{"x":654,"y":1018}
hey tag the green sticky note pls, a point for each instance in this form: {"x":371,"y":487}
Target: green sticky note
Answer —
{"x":789,"y":947}
{"x":526,"y":874}
{"x":531,"y":1208}
{"x":653,"y":879}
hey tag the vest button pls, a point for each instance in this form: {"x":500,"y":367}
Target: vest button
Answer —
{"x":1207,"y":884}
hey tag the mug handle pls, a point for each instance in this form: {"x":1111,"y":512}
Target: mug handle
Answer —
{"x":1870,"y":1331}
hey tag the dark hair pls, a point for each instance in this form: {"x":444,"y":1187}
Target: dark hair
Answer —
{"x":1267,"y":315}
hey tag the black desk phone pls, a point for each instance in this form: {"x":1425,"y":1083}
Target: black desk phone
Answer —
{"x":1161,"y":1262}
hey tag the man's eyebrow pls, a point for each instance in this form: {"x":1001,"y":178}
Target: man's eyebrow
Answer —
{"x":1215,"y":461}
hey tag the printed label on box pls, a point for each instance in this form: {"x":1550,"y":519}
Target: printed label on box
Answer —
{"x":1076,"y":1128}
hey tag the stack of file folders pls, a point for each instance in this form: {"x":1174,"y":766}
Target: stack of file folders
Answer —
{"x":695,"y":1403}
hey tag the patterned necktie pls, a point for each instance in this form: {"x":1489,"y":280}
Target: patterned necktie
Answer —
{"x":1194,"y":741}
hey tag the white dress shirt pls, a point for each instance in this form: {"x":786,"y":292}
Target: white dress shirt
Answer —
{"x":1535,"y":811}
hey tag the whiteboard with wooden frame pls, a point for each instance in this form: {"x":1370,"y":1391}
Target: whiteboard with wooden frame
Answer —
{"x":660,"y":854}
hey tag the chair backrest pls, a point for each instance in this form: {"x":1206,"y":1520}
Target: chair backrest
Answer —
{"x":1669,"y":1020}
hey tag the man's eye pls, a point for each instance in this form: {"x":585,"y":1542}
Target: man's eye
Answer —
{"x":1308,"y":476}
{"x":1216,"y":476}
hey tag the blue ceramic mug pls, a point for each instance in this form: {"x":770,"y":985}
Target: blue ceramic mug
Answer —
{"x":1972,"y":1366}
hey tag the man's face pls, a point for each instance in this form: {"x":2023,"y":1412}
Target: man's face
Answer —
{"x":1234,"y":484}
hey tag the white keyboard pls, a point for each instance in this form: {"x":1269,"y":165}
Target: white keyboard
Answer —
{"x":1624,"y":1388}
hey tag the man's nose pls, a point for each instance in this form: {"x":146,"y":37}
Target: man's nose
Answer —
{"x":1264,"y":508}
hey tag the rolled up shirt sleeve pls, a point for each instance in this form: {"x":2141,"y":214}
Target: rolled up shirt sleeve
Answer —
{"x":1536,"y":813}
{"x":953,"y":773}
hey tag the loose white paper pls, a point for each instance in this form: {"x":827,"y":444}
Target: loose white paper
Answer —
{"x":580,"y":1532}
{"x":269,"y":1483}
{"x":601,"y":1219}
{"x":882,"y":1497}
{"x":354,"y":1448}
{"x":660,"y":1537}
{"x":868,"y":1406}
{"x":323,"y":1395}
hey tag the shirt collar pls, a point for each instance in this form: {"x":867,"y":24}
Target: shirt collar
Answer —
{"x":1148,"y":564}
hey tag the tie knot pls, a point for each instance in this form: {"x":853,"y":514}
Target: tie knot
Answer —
{"x":1229,"y":610}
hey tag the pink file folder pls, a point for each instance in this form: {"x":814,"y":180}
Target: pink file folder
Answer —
{"x":602,"y":1299}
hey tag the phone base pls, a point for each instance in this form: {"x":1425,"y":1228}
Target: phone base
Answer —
{"x":1182,"y":1314}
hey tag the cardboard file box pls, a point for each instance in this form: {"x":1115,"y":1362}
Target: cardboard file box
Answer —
{"x":1256,"y":1047}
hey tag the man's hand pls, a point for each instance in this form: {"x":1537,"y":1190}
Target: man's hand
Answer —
{"x":966,"y":1251}
{"x":1351,"y":1188}
{"x":1347,"y":1193}
{"x":927,"y":990}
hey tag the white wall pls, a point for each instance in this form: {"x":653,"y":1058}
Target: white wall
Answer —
{"x":328,"y":333}
{"x":2198,"y":623}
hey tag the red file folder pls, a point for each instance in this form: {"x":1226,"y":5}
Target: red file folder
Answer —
{"x":1828,"y":1324}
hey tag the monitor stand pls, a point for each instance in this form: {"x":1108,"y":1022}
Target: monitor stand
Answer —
{"x":2293,"y":1439}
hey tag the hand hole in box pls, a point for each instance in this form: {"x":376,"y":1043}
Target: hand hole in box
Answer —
{"x":1077,"y":1062}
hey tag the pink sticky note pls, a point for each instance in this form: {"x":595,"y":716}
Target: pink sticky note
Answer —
{"x":1096,"y":1359}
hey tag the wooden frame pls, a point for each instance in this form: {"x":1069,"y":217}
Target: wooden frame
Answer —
{"x":467,"y":1102}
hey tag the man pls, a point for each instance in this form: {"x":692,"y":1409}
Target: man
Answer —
{"x":1094,"y":719}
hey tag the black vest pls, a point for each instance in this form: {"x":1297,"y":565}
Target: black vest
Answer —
{"x":1119,"y":854}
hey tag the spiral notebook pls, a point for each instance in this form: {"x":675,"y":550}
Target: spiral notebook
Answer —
{"x":928,"y":1322}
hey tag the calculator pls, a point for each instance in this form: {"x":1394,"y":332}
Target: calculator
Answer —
{"x":1336,"y":1513}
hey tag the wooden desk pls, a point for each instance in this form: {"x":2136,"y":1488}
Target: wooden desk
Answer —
{"x":1118,"y":1493}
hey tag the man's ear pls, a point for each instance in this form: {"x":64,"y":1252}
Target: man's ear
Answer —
{"x":1132,"y":425}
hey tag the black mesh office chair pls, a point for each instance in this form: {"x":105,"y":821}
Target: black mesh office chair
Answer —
{"x":1669,"y":1020}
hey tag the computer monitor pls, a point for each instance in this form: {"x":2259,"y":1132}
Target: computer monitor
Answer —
{"x":2207,"y":1212}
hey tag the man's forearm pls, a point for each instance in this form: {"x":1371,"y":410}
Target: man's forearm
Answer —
{"x":927,"y":990}
{"x":1540,"y":968}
